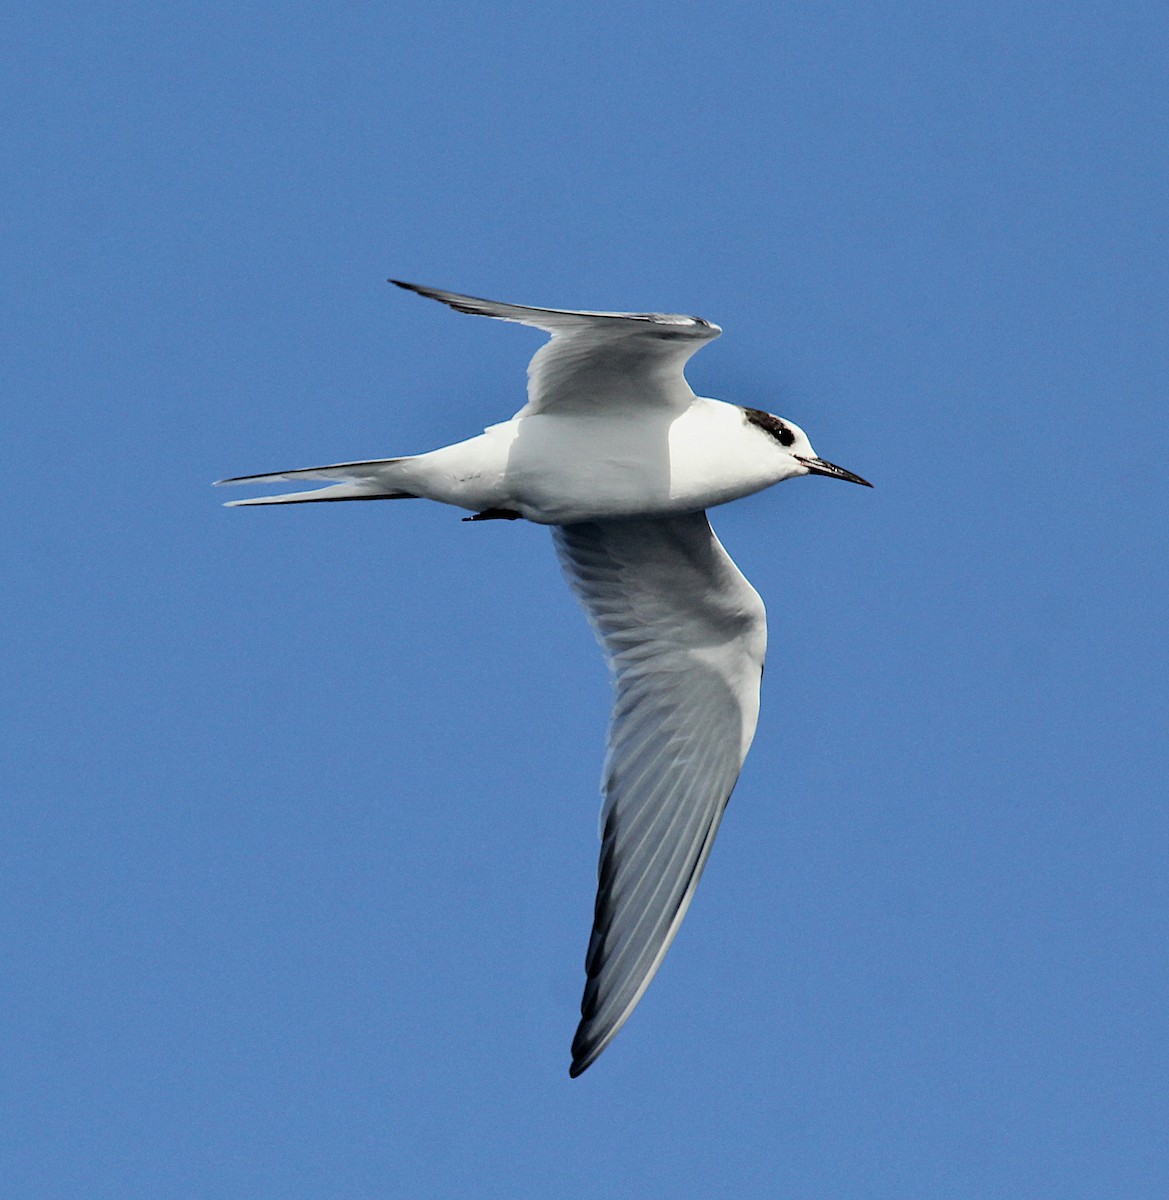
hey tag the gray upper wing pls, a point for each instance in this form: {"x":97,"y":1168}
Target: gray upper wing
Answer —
{"x":684,"y":634}
{"x":597,"y":358}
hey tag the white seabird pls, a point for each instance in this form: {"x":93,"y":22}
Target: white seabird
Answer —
{"x":619,"y":456}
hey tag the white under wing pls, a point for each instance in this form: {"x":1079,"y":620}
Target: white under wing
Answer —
{"x":597,"y":359}
{"x":685,"y":635}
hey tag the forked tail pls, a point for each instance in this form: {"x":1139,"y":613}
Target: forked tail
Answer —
{"x":373,"y":480}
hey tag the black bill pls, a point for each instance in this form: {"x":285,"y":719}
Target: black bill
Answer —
{"x":817,"y":466}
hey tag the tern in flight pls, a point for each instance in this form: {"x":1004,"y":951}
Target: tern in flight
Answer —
{"x":621,"y":459}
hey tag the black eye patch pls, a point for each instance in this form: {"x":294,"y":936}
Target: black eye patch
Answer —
{"x":772,"y":425}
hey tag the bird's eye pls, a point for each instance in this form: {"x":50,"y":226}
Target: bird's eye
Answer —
{"x":784,"y":436}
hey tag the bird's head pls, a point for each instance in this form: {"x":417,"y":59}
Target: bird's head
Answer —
{"x":792,"y":441}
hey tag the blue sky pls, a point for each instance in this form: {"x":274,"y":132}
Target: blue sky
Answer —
{"x":300,"y":805}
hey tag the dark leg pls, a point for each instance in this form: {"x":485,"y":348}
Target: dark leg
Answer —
{"x":495,"y":514}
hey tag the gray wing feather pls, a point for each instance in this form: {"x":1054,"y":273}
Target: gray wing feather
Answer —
{"x":684,"y":634}
{"x":596,"y":358}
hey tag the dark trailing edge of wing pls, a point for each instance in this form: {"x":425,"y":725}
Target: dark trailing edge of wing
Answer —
{"x":586,"y":1045}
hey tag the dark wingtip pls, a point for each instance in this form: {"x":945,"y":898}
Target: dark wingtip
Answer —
{"x":429,"y":293}
{"x":585,"y":1052}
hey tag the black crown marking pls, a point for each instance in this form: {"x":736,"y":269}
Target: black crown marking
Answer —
{"x":772,"y":425}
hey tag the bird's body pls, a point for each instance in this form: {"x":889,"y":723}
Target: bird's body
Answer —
{"x":616,"y":452}
{"x":561,"y":468}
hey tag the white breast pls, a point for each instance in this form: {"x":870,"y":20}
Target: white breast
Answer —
{"x":575,"y":467}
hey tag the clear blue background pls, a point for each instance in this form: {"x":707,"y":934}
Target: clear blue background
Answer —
{"x":300,"y":805}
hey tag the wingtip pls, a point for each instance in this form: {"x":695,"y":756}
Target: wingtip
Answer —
{"x":585,"y":1052}
{"x":582,"y":1060}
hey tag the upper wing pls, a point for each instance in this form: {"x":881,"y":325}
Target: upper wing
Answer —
{"x":597,"y":358}
{"x":685,"y":634}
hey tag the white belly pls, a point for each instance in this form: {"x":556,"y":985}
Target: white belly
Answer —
{"x":555,"y":469}
{"x":574,"y":467}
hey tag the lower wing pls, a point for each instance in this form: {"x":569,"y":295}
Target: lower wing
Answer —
{"x":685,"y":634}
